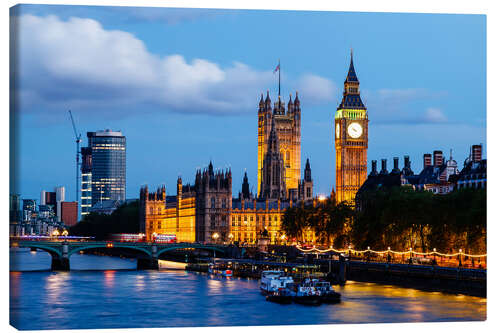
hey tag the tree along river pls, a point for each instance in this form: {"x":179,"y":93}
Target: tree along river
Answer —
{"x":107,"y":292}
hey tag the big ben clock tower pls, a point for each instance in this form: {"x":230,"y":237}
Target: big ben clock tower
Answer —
{"x":351,"y":140}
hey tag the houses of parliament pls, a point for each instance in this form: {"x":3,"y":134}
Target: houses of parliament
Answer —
{"x":206,"y":211}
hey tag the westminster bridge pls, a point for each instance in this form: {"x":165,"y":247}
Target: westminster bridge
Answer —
{"x":147,"y":254}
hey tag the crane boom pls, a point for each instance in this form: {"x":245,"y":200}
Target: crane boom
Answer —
{"x":78,"y":137}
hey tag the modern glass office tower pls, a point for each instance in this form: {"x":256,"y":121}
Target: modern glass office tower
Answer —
{"x":86,"y":188}
{"x":103,"y":168}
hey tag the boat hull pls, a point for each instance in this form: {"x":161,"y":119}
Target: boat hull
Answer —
{"x":331,"y":298}
{"x":307,"y":300}
{"x":279,"y":299}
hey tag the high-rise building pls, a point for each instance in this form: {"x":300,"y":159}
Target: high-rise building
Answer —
{"x":103,"y":168}
{"x":69,"y":213}
{"x":15,"y":208}
{"x":29,"y":207}
{"x":287,"y":126}
{"x":86,"y":197}
{"x":60,"y":196}
{"x":351,"y":140}
{"x":48,"y":198}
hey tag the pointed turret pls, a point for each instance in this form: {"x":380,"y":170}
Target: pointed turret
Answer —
{"x":307,"y":172}
{"x":268,"y":101}
{"x":245,"y":187}
{"x":351,"y":74}
{"x":351,"y":97}
{"x":211,"y":169}
{"x":290,"y":104}
{"x":261,"y":103}
{"x":297,"y":101}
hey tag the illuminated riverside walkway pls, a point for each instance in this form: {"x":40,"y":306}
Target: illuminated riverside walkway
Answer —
{"x":147,"y":253}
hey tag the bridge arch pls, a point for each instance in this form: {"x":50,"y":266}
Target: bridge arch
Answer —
{"x":79,"y":248}
{"x":53,"y":251}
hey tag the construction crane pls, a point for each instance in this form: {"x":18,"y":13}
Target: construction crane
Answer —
{"x":78,"y":137}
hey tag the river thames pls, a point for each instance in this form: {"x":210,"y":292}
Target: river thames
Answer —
{"x":107,"y":292}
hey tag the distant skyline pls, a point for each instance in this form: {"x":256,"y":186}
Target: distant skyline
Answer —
{"x":183,"y":86}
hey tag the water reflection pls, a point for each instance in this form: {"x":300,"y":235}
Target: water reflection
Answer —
{"x":109,"y":279}
{"x":118,"y":299}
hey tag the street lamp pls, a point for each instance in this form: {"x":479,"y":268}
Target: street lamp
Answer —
{"x":283,"y":238}
{"x":230,"y":236}
{"x":215,"y":236}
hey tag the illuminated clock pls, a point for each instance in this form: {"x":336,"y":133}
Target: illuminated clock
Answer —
{"x":337,"y":131}
{"x":355,"y":130}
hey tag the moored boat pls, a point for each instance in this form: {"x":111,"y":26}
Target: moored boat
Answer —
{"x":272,"y":281}
{"x":282,"y":296}
{"x":327,"y":294}
{"x":306,"y":293}
{"x":215,"y":270}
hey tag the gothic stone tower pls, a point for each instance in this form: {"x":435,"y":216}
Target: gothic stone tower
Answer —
{"x":151,"y":210}
{"x":288,"y":130}
{"x":213,"y":204}
{"x":351,"y":140}
{"x":273,"y":174}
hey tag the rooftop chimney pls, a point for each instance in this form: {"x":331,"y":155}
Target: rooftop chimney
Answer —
{"x":374,"y":168}
{"x":383,"y":171}
{"x":427,"y":160}
{"x":477,"y":153}
{"x":438,"y":158}
{"x":407,"y":168}
{"x":396,"y":165}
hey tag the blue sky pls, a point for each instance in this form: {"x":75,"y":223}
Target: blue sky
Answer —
{"x":183,"y":86}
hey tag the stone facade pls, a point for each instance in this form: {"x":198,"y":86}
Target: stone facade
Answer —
{"x":287,"y":126}
{"x":213,"y":204}
{"x":273,"y":184}
{"x":206,"y":212}
{"x":196,"y":213}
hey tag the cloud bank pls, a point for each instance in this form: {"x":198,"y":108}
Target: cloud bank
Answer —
{"x":405,"y":106}
{"x":79,"y":64}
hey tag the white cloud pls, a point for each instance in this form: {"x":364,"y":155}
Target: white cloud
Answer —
{"x":434,"y":115}
{"x":79,"y":63}
{"x":316,"y":89}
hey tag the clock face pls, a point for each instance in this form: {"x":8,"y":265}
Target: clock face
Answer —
{"x":355,"y":130}
{"x":337,"y":131}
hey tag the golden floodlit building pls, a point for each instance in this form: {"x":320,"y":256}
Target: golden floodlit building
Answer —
{"x":351,"y":140}
{"x":287,"y":127}
{"x":206,"y":212}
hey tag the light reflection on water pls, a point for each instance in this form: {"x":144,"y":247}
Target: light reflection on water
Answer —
{"x":127,"y":298}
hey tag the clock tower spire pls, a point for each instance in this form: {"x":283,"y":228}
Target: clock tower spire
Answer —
{"x":351,"y":140}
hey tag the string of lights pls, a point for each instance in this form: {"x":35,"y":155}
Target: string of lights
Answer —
{"x":409,"y":252}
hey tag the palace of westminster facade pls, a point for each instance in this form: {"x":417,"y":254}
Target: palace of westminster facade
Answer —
{"x":207,"y":211}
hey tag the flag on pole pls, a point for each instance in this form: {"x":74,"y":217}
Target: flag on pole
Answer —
{"x":277,"y":68}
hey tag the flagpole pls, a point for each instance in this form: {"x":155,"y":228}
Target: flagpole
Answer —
{"x":279,"y":78}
